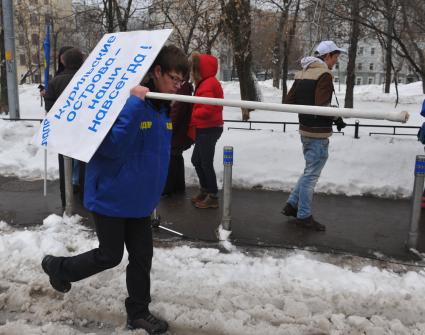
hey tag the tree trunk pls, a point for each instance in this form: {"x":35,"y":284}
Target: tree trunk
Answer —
{"x":388,"y":46}
{"x":123,"y":18}
{"x":110,"y":17}
{"x":388,"y":62}
{"x":278,"y":48}
{"x":287,"y":50}
{"x":238,"y":20}
{"x":352,"y":53}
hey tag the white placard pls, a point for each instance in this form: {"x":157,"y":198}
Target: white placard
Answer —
{"x":87,"y":108}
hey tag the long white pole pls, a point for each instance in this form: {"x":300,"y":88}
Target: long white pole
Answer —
{"x":301,"y":109}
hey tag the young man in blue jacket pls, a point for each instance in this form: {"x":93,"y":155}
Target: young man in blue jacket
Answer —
{"x":124,"y":182}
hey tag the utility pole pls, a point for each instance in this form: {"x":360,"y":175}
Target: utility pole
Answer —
{"x":9,"y":46}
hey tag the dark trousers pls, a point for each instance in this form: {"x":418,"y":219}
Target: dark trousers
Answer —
{"x":175,"y":179}
{"x":112,"y":234}
{"x":203,"y":157}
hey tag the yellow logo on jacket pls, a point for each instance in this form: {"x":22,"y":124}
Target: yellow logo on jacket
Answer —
{"x":146,"y":125}
{"x":169,"y":125}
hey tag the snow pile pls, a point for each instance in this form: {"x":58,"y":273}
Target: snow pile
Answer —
{"x":205,"y":291}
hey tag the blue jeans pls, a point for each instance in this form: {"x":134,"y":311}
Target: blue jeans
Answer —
{"x":315,"y":152}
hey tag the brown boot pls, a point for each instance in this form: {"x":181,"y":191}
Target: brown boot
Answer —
{"x":200,"y":196}
{"x":210,"y":201}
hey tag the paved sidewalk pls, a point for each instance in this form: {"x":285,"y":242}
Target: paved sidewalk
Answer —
{"x":359,"y":225}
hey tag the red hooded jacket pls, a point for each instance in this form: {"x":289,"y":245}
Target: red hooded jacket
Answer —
{"x":204,"y":69}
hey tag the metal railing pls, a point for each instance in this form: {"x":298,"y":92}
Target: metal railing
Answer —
{"x":19,"y":119}
{"x":284,"y":125}
{"x":356,"y":126}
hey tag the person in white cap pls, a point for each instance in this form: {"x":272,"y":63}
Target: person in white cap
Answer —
{"x":313,"y":86}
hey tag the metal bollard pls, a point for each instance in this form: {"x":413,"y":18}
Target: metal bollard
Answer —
{"x":356,"y":129}
{"x":227,"y":187}
{"x":69,"y":193}
{"x":418,"y":188}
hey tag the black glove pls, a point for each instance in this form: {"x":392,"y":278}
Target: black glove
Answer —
{"x":339,"y":123}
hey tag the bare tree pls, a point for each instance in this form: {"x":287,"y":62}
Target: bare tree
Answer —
{"x":282,"y":7}
{"x":183,"y":16}
{"x":287,"y":47}
{"x":237,"y":16}
{"x":406,"y":31}
{"x":30,"y":28}
{"x":123,"y":13}
{"x":263,"y":36}
{"x":196,"y":23}
{"x":352,"y":53}
{"x":210,"y":27}
{"x":390,"y":12}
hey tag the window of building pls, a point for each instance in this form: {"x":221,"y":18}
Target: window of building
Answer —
{"x":337,"y":66}
{"x":359,"y":66}
{"x":34,"y":39}
{"x":46,"y":2}
{"x":21,"y":39}
{"x":22,"y":60}
{"x":370,"y":80}
{"x":372,"y":51}
{"x":371,"y":67}
{"x":34,"y":19}
{"x":336,"y":79}
{"x":34,"y":59}
{"x":361,"y":50}
{"x":359,"y":80}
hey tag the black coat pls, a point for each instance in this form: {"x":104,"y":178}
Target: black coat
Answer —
{"x":56,"y":86}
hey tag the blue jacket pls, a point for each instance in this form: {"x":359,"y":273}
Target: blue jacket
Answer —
{"x":127,"y":174}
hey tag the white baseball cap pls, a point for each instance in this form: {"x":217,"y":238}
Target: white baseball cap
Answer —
{"x":326,"y":47}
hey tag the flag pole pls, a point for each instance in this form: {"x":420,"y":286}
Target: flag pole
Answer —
{"x":46,"y":46}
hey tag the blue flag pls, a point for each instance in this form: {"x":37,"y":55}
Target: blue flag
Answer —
{"x":46,"y":45}
{"x":423,"y":109}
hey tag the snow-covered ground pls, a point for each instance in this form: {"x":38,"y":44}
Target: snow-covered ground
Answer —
{"x":205,"y":291}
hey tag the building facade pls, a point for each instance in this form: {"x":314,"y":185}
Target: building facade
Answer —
{"x":370,"y":66}
{"x":31,"y":20}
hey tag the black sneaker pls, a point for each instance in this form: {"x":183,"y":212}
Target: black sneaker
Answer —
{"x":58,"y":284}
{"x":310,"y":223}
{"x":150,"y":323}
{"x":289,"y":210}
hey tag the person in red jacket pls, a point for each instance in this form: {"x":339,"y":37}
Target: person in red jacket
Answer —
{"x":207,"y":123}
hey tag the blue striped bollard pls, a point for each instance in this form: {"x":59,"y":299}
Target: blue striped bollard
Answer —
{"x":227,"y":187}
{"x":415,"y":215}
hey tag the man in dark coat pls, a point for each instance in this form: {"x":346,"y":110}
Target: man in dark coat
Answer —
{"x":70,"y":60}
